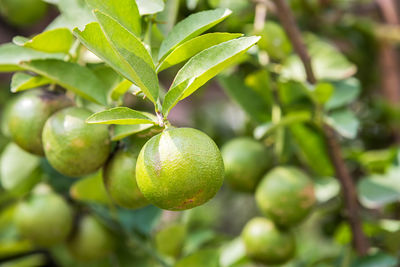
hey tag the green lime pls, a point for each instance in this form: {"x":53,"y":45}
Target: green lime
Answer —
{"x":23,"y":12}
{"x":92,"y":241}
{"x":73,"y":147}
{"x":179,"y":169}
{"x":286,"y":195}
{"x":266,"y":243}
{"x":170,"y":240}
{"x":28,"y":114}
{"x":246,"y":161}
{"x":120,"y":180}
{"x":44,"y":218}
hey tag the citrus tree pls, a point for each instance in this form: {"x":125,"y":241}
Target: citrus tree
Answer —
{"x":97,"y":170}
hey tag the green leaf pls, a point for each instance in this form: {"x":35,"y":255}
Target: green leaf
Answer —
{"x":260,"y":82}
{"x":322,"y":92}
{"x":344,"y":122}
{"x":12,"y":55}
{"x":327,"y":62}
{"x":18,"y":170}
{"x":312,"y":149}
{"x":124,"y":11}
{"x":265,"y":129}
{"x":345,"y":92}
{"x":247,"y":99}
{"x":275,"y":41}
{"x":90,"y":189}
{"x":133,"y":51}
{"x":194,"y":46}
{"x":75,"y":13}
{"x":190,"y":27}
{"x":233,"y":253}
{"x":143,"y":130}
{"x":53,"y":41}
{"x":120,"y":115}
{"x":204,"y":66}
{"x":168,"y":16}
{"x":148,"y":7}
{"x":22,"y":81}
{"x":95,"y":40}
{"x":80,"y":80}
{"x":120,"y":89}
{"x":379,"y":190}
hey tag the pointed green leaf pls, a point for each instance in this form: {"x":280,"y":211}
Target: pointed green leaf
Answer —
{"x":204,"y":66}
{"x":53,"y":41}
{"x":80,"y":80}
{"x":147,"y":7}
{"x":133,"y":51}
{"x":95,"y":40}
{"x":90,"y":189}
{"x":344,"y":122}
{"x":120,"y":89}
{"x":251,"y":102}
{"x":345,"y":92}
{"x":194,"y":46}
{"x":312,"y":148}
{"x":120,"y":115}
{"x":124,"y":11}
{"x":75,"y":13}
{"x":18,"y":170}
{"x":12,"y":55}
{"x":122,"y":131}
{"x":190,"y":27}
{"x":22,"y":81}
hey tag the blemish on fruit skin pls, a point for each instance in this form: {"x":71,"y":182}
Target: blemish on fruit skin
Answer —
{"x":308,"y":197}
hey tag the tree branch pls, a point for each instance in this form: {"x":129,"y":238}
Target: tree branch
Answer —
{"x":360,"y":242}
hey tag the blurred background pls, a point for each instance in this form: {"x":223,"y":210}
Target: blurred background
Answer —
{"x":364,"y":40}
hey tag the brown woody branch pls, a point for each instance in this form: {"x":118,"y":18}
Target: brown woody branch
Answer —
{"x":360,"y":241}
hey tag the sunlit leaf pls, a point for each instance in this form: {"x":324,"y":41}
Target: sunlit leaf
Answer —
{"x":147,"y":7}
{"x":190,"y":27}
{"x":120,"y":115}
{"x":22,"y":81}
{"x":204,"y":66}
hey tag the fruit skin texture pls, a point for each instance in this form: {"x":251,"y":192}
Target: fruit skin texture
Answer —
{"x":73,"y":147}
{"x":28,"y":114}
{"x":44,"y":218}
{"x":286,"y":195}
{"x":266,"y":243}
{"x":120,"y":180}
{"x":92,"y":241}
{"x":246,"y":161}
{"x":179,"y":169}
{"x":22,"y":12}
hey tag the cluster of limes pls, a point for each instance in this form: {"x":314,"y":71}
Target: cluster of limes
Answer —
{"x":285,"y":195}
{"x":177,"y":169}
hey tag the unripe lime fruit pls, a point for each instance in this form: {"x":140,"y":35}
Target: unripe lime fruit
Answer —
{"x":22,"y":12}
{"x":246,"y":161}
{"x":44,"y":218}
{"x":179,"y":169}
{"x":120,"y":180}
{"x":286,"y":195}
{"x":73,"y":147}
{"x":28,"y":114}
{"x":91,"y":241}
{"x":266,"y":243}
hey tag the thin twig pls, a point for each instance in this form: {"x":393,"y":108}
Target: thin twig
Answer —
{"x":360,"y":242}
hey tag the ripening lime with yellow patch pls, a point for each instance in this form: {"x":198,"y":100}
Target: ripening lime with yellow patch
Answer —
{"x":179,"y":169}
{"x":286,"y":195}
{"x":73,"y":147}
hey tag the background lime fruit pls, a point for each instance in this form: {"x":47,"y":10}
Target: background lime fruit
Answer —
{"x":44,"y":218}
{"x":179,"y":169}
{"x":22,"y":12}
{"x":28,"y":114}
{"x":286,"y":195}
{"x":266,"y":243}
{"x":169,"y":241}
{"x":246,"y":161}
{"x":92,"y":240}
{"x":73,"y":147}
{"x":120,"y":180}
